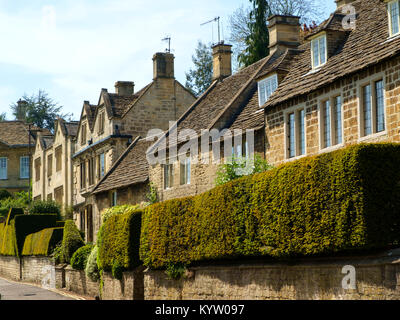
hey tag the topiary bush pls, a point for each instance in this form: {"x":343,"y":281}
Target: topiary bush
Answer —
{"x":80,"y":257}
{"x":71,"y":242}
{"x":42,"y":243}
{"x":91,"y":269}
{"x":119,"y":241}
{"x":341,"y":201}
{"x":8,"y":244}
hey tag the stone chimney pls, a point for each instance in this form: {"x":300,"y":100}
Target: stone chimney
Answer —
{"x":163,"y":65}
{"x":341,"y":3}
{"x":222,"y":61}
{"x":124,"y":88}
{"x":284,"y":33}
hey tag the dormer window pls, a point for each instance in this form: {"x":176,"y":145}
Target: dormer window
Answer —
{"x":266,"y":88}
{"x":394,"y":18}
{"x":319,"y":53}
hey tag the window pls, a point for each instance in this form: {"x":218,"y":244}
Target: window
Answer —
{"x":50,"y":197}
{"x":185,"y":171}
{"x":296,"y":137}
{"x":3,"y":168}
{"x":24,"y":167}
{"x":327,"y":124}
{"x":394,"y":18}
{"x":319,"y":52}
{"x":168,"y":176}
{"x":373,"y":108}
{"x":102,"y":167}
{"x":266,"y":88}
{"x":49,"y":165}
{"x":338,"y":120}
{"x":113,"y":198}
{"x":83,"y":134}
{"x":58,"y":158}
{"x":101,"y":122}
{"x":83,"y":175}
{"x":331,"y":122}
{"x":59,"y":195}
{"x":38,"y":164}
{"x":91,"y":171}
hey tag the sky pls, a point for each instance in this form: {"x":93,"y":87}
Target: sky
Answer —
{"x":73,"y":48}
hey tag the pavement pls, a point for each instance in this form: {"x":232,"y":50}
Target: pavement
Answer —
{"x":10,"y":290}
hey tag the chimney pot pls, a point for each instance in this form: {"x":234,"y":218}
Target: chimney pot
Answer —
{"x":163,"y":65}
{"x":284,"y":32}
{"x":124,"y":88}
{"x":222,"y":61}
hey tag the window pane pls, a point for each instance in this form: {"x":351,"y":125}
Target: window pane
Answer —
{"x":261,"y":89}
{"x":322,"y":53}
{"x":302,"y":137}
{"x":380,"y":107}
{"x":3,"y":168}
{"x":327,"y":124}
{"x":24,"y":167}
{"x":394,"y":17}
{"x":292,"y":143}
{"x":315,"y":53}
{"x":188,"y":165}
{"x":367,"y":110}
{"x":338,"y":120}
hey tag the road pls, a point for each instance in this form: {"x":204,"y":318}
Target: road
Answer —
{"x":16,"y":291}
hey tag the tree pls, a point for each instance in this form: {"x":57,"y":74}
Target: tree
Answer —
{"x":3,"y":117}
{"x":257,"y":41}
{"x":239,"y":22}
{"x":39,"y":110}
{"x":200,"y":78}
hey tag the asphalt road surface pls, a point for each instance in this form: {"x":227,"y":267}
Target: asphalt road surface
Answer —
{"x":16,"y":291}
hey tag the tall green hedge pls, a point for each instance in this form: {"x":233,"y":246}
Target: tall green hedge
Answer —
{"x":41,"y":243}
{"x":72,"y":241}
{"x":344,"y":200}
{"x":27,"y":224}
{"x":120,"y":240}
{"x":8,"y":245}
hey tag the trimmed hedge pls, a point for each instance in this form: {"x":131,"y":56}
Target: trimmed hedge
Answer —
{"x":8,"y":245}
{"x":72,"y":241}
{"x":28,"y":224}
{"x":43,"y":242}
{"x":80,"y":257}
{"x":120,"y":241}
{"x":344,"y":200}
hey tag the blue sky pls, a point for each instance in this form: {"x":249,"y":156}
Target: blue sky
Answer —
{"x":73,"y":48}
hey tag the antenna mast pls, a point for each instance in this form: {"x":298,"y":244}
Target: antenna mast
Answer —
{"x":168,"y":38}
{"x":217,"y":19}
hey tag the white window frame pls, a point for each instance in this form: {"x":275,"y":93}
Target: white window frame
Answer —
{"x":186,"y":167}
{"x":21,"y":160}
{"x":296,"y":111}
{"x":5,"y":176}
{"x":319,"y":64}
{"x":390,"y":3}
{"x":372,"y":83}
{"x":271,"y":81}
{"x":321,"y":122}
{"x":168,"y":179}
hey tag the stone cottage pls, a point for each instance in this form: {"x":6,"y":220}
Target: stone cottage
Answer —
{"x":342,"y":87}
{"x":16,"y":144}
{"x":108,"y":128}
{"x":52,"y":164}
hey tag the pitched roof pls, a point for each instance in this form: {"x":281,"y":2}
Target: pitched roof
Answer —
{"x":366,"y":45}
{"x":69,"y":129}
{"x":15,"y":133}
{"x":46,"y":141}
{"x":131,"y":168}
{"x":231,"y":103}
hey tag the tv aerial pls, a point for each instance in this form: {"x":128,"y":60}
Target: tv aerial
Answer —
{"x":167,"y":39}
{"x":217,"y":20}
